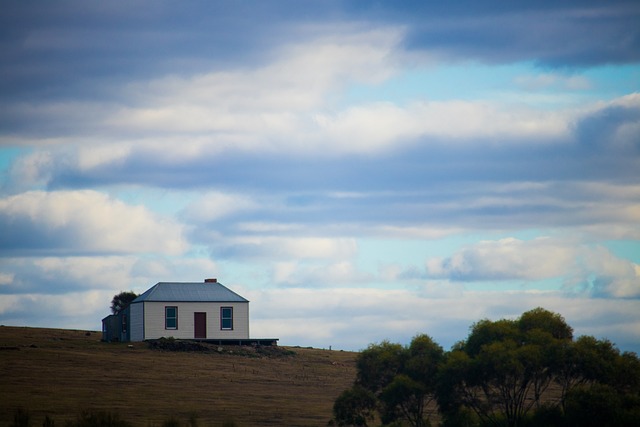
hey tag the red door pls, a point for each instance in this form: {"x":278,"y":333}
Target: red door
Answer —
{"x":200,"y":325}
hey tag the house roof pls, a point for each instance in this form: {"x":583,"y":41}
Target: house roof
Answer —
{"x":189,"y":292}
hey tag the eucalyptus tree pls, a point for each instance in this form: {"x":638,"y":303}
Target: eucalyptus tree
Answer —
{"x":354,"y":407}
{"x":503,"y":368}
{"x":401,"y":379}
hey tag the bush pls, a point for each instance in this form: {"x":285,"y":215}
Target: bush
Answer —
{"x":546,"y":416}
{"x":462,"y":417}
{"x":171,"y":422}
{"x":21,"y":418}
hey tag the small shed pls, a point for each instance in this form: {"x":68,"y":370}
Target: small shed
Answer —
{"x":115,"y":327}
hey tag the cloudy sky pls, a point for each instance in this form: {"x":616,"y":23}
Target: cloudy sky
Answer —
{"x":358,"y":170}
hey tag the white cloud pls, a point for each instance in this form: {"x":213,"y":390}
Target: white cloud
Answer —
{"x":286,"y":248}
{"x":506,"y":259}
{"x":56,"y":275}
{"x":269,"y":227}
{"x":6,"y":278}
{"x":295,"y":273}
{"x":33,"y":170}
{"x":81,"y":272}
{"x":374,"y":127}
{"x":73,"y":310}
{"x":427,"y":232}
{"x":100,"y":154}
{"x":265,"y":100}
{"x":290,"y":104}
{"x":582,"y":268}
{"x":214,"y":205}
{"x":88,"y":221}
{"x":607,"y":275}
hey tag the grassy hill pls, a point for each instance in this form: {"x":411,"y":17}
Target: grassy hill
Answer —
{"x":61,"y":373}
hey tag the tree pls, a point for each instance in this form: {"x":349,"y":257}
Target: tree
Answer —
{"x":418,"y":381}
{"x":606,"y":388}
{"x":546,"y":321}
{"x":405,"y":397}
{"x":354,"y":407}
{"x":597,"y":406}
{"x":402,"y":379}
{"x":501,"y":376}
{"x":503,"y":368}
{"x":378,"y":364}
{"x":121,"y":301}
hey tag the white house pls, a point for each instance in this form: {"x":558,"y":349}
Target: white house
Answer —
{"x":201,"y":311}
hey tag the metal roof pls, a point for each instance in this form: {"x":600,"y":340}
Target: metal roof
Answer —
{"x":189,"y":292}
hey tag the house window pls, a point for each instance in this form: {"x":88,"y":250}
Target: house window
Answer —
{"x":226,"y":318}
{"x":124,"y":323}
{"x":171,"y":317}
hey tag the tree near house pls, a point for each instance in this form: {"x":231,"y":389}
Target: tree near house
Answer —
{"x":122,"y":300}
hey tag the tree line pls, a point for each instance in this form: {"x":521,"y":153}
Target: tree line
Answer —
{"x":524,"y":372}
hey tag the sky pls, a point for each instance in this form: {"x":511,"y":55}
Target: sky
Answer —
{"x":358,"y":170}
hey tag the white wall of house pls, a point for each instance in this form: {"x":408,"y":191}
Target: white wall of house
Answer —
{"x":154,"y":320}
{"x":136,"y":321}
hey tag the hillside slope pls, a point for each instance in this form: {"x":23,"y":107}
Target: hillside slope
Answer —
{"x":61,"y":373}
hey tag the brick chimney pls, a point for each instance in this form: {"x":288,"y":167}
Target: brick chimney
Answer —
{"x":210,"y":280}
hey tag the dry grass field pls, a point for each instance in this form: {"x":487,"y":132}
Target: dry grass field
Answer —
{"x":61,"y":373}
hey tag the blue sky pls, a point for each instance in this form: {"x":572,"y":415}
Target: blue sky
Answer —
{"x":358,"y":170}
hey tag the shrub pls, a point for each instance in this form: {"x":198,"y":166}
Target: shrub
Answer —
{"x":171,"y":422}
{"x":21,"y":418}
{"x":546,"y":416}
{"x":596,"y":406}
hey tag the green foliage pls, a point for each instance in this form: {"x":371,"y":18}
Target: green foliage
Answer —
{"x":122,"y":300}
{"x":546,"y":321}
{"x":486,"y":332}
{"x":596,"y":406}
{"x":500,"y":375}
{"x":379,"y":364}
{"x":401,"y":379}
{"x":626,"y":374}
{"x":354,"y":407}
{"x":404,"y":396}
{"x":504,"y":367}
{"x":425,"y":357}
{"x":596,"y":358}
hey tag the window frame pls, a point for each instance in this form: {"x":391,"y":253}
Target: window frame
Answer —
{"x":124,"y":323}
{"x":167,"y":317}
{"x":228,"y":318}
